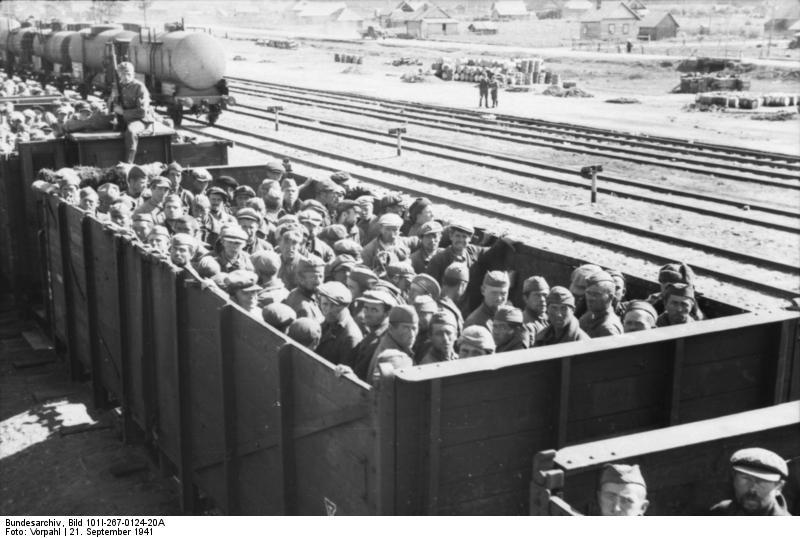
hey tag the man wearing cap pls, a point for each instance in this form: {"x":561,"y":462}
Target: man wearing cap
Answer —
{"x":391,"y":203}
{"x":366,"y":215}
{"x":200,"y":180}
{"x":312,"y":221}
{"x":386,"y":363}
{"x":639,"y":316}
{"x":347,"y":215}
{"x":306,"y":332}
{"x":577,"y":286}
{"x":331,"y":234}
{"x":267,"y":264}
{"x":401,"y":275}
{"x":241,"y":195}
{"x":132,"y":104}
{"x":159,"y":188}
{"x":361,"y":279}
{"x":622,"y":491}
{"x":291,"y":200}
{"x":564,"y":326}
{"x":388,"y":247}
{"x":142,"y":224}
{"x":290,"y":248}
{"x":173,"y":210}
{"x":400,"y":335}
{"x":339,"y":269}
{"x":243,"y":289}
{"x":508,"y":330}
{"x":182,"y":249}
{"x":678,"y":302}
{"x":475,"y":341}
{"x":426,"y":307}
{"x":430,"y":235}
{"x":270,"y":193}
{"x":460,"y":250}
{"x":443,"y":335}
{"x":674,"y":273}
{"x":619,"y":292}
{"x":329,"y":194}
{"x":304,"y":298}
{"x":232,"y":255}
{"x":159,"y":239}
{"x":136,"y":179}
{"x":68,"y":185}
{"x":375,"y":306}
{"x":600,"y":319}
{"x":174,"y":172}
{"x":275,"y":170}
{"x":495,"y":293}
{"x":534,"y":291}
{"x":119,"y":216}
{"x":758,"y":479}
{"x":279,"y":316}
{"x":250,"y":222}
{"x":340,"y":334}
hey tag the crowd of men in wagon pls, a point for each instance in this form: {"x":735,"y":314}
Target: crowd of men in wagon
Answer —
{"x":363,"y":281}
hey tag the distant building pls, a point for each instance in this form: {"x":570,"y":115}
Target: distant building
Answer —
{"x":638,"y":7}
{"x":614,"y":20}
{"x":397,"y":17}
{"x":575,"y":9}
{"x":509,"y":11}
{"x":548,"y":10}
{"x":482,"y":27}
{"x":430,"y":21}
{"x":785,"y":15}
{"x":655,"y":26}
{"x":319,"y":12}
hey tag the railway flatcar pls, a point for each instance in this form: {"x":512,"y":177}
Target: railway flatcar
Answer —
{"x":183,"y":70}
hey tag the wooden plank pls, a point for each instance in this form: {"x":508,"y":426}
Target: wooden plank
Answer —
{"x":185,"y":459}
{"x":228,"y":364}
{"x":134,"y":333}
{"x":739,"y":341}
{"x":719,"y":404}
{"x":75,"y":366}
{"x":411,"y":417}
{"x":677,"y":370}
{"x":385,"y":419}
{"x":485,"y":485}
{"x":100,"y":395}
{"x":434,"y":446}
{"x":615,"y":396}
{"x":287,"y":449}
{"x":783,"y":362}
{"x":56,"y":266}
{"x":211,"y":153}
{"x":737,"y":373}
{"x":564,"y":400}
{"x":512,"y":503}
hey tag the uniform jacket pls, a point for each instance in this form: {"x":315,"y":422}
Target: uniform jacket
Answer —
{"x":156,"y":210}
{"x":521,"y":340}
{"x":604,"y":324}
{"x":274,"y":293}
{"x":535,"y":322}
{"x":339,"y":340}
{"x":386,"y":342}
{"x":135,"y":101}
{"x":571,"y":333}
{"x":305,"y":304}
{"x":663,"y":320}
{"x":481,"y":316}
{"x":733,"y":508}
{"x":362,"y":354}
{"x":448,"y":304}
{"x":241,"y":261}
{"x":434,"y":355}
{"x":396,"y":252}
{"x":420,"y":259}
{"x":440,"y":260}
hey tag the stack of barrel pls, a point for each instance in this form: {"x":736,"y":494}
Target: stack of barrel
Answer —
{"x":747,"y":101}
{"x":699,"y":82}
{"x":512,"y":72}
{"x":348,"y":58}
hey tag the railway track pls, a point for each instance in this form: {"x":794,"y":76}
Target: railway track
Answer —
{"x":419,"y":185}
{"x":529,"y":168}
{"x":728,"y":162}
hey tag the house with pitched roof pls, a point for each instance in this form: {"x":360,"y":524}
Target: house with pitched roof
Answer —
{"x":430,"y":20}
{"x":575,"y":9}
{"x":509,"y":11}
{"x":658,"y":25}
{"x":613,"y":21}
{"x":782,"y":17}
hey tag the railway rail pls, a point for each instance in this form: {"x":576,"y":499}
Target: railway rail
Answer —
{"x":728,"y":162}
{"x":252,"y":141}
{"x":664,"y":196}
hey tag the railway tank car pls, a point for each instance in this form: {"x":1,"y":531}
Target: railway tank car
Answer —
{"x":183,"y":70}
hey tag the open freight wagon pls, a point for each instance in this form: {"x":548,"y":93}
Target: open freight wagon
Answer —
{"x":261,"y":425}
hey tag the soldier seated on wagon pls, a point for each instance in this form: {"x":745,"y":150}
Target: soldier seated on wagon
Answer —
{"x":132,"y":103}
{"x":622,"y":491}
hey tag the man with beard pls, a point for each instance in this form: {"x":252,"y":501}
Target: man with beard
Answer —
{"x":678,"y":303}
{"x":348,"y":212}
{"x":495,"y":294}
{"x":758,"y":478}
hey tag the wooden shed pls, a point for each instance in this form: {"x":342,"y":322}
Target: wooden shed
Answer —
{"x":612,"y":21}
{"x":658,"y":26}
{"x":429,"y":21}
{"x":482,"y":28}
{"x":509,"y":11}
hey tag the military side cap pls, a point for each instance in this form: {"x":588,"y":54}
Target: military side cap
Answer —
{"x":157,"y":231}
{"x":617,"y":473}
{"x":201,"y":174}
{"x":560,"y":295}
{"x":427,"y":283}
{"x":310,"y":263}
{"x":345,"y":205}
{"x":248,"y":213}
{"x":278,"y":315}
{"x":136,"y":172}
{"x":341,"y":262}
{"x":336,"y":292}
{"x":403,"y":314}
{"x":670,"y":273}
{"x":642,"y":306}
{"x":275,"y":166}
{"x":234,"y":233}
{"x":218,"y":191}
{"x":390,"y":220}
{"x":599,"y":277}
{"x":183,"y":240}
{"x":143,"y":217}
{"x":378,"y":296}
{"x":174,"y":167}
{"x":426,"y":304}
{"x":389,"y":200}
{"x":399,"y":269}
{"x":584,"y":271}
{"x":444,"y":317}
{"x":509,"y":314}
{"x":340,"y":177}
{"x":349,"y":247}
{"x":315,"y":206}
{"x":242,"y":280}
{"x":244,"y":190}
{"x":430,"y":227}
{"x":478,"y":336}
{"x":160,"y":182}
{"x":326,"y":185}
{"x":266,"y":262}
{"x":456,"y":273}
{"x":305,"y":330}
{"x":761,"y":463}
{"x":462,"y":226}
{"x":496,"y":279}
{"x":679,"y":290}
{"x":188,"y":220}
{"x":363,"y":276}
{"x":535,"y":283}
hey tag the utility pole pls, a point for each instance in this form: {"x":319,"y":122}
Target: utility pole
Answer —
{"x":771,"y":27}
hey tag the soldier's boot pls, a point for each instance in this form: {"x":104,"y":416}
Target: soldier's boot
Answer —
{"x":131,"y":156}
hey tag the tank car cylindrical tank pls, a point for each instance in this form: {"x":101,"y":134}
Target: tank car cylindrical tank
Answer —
{"x":56,"y":48}
{"x":6,"y":25}
{"x":194,"y":60}
{"x":18,"y":40}
{"x":75,"y":46}
{"x":94,"y":47}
